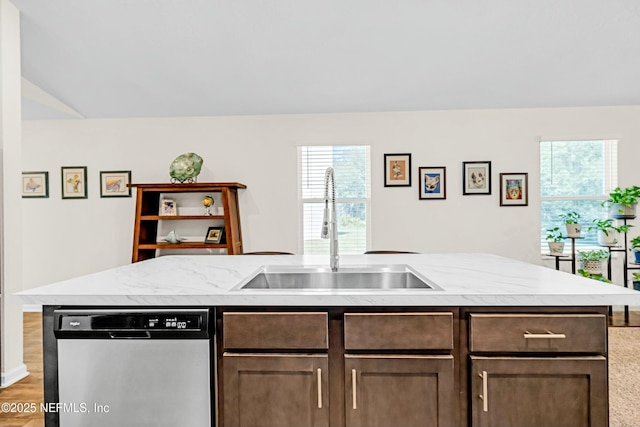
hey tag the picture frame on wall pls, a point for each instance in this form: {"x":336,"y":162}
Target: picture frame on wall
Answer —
{"x":433,"y":183}
{"x":168,"y":207}
{"x":476,"y":178}
{"x":74,"y":182}
{"x":114,"y":183}
{"x":35,"y":185}
{"x":397,"y":170}
{"x":214,"y":235}
{"x":514,"y":189}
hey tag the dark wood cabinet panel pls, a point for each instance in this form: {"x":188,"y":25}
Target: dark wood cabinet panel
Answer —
{"x":399,"y":391}
{"x":283,"y":390}
{"x":537,"y":391}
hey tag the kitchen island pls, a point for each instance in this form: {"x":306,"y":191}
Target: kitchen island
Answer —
{"x":498,"y":342}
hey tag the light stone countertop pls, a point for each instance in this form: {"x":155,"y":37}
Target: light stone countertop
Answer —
{"x":200,"y":280}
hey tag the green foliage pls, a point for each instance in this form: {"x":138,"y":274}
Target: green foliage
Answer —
{"x":555,"y":234}
{"x":636,"y":277}
{"x":593,"y":255}
{"x":595,"y":276}
{"x":606,"y":225}
{"x":627,"y":196}
{"x":635,"y":244}
{"x":572,"y":217}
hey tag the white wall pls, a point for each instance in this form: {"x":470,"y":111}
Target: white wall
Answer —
{"x":66,"y":238}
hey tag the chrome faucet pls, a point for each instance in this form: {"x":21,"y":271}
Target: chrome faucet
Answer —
{"x":329,"y":223}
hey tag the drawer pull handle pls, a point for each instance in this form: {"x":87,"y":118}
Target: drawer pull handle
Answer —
{"x":319,"y":388}
{"x":548,"y":335}
{"x":485,"y":394}
{"x":354,"y":388}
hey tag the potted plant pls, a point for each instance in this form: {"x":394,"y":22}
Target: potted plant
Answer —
{"x":636,"y":281}
{"x":572,"y":222}
{"x":595,"y":276}
{"x":555,"y":241}
{"x":622,"y":202}
{"x":635,"y":248}
{"x":607,"y":231}
{"x":593,"y":260}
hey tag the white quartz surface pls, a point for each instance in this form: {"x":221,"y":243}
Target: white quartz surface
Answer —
{"x":466,"y":280}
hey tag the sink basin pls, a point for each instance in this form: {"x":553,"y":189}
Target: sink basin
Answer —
{"x":372,"y":277}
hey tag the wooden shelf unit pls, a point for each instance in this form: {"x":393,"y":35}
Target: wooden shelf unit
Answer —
{"x":147,"y":218}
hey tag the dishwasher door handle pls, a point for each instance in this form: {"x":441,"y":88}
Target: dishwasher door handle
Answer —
{"x":130,"y":335}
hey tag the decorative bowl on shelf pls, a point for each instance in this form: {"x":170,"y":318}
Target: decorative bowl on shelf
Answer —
{"x":185,"y":168}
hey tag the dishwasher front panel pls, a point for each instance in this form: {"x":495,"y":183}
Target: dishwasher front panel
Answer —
{"x":134,"y":382}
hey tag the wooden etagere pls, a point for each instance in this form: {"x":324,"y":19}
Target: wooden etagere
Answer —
{"x":148,"y":218}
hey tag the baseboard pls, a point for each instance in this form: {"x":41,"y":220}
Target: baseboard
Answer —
{"x":31,"y":308}
{"x":13,"y":376}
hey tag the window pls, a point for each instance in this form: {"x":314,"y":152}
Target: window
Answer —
{"x":351,"y":165}
{"x":576,"y":176}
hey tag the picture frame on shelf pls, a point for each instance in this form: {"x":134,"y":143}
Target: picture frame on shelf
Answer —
{"x":214,"y":235}
{"x":168,"y":207}
{"x":476,"y":178}
{"x":433,"y":183}
{"x":115,"y":183}
{"x":35,"y":185}
{"x":74,"y":182}
{"x":397,"y":170}
{"x":514,"y":189}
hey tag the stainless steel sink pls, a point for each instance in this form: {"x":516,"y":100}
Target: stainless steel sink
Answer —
{"x":372,"y":277}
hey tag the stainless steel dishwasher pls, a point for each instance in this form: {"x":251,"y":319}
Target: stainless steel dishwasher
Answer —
{"x":134,"y":367}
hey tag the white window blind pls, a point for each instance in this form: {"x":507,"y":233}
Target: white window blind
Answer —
{"x":351,"y":164}
{"x":576,"y":176}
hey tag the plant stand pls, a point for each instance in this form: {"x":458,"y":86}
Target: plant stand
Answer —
{"x":568,"y":258}
{"x":624,"y":250}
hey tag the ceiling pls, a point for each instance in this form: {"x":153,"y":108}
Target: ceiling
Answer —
{"x":164,"y":58}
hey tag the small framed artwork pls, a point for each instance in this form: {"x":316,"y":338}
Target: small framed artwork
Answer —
{"x":168,"y":207}
{"x":214,"y":235}
{"x":476,"y":178}
{"x":397,"y":170}
{"x":114,"y":183}
{"x":433,"y":185}
{"x":514,"y":189}
{"x":35,"y":184}
{"x":74,"y":182}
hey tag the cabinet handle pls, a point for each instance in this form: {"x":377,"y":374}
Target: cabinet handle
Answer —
{"x":354,"y":395}
{"x":484,"y":396}
{"x":548,"y":335}
{"x":319,"y":388}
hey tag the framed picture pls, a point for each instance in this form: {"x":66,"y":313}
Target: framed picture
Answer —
{"x":433,"y":184}
{"x":476,"y":178}
{"x":214,"y":235}
{"x":397,"y":170}
{"x":35,"y":184}
{"x":168,"y":207}
{"x":514,"y":189}
{"x":114,"y":183}
{"x":74,"y":182}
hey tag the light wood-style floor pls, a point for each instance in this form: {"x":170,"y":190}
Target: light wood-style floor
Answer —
{"x":29,"y":389}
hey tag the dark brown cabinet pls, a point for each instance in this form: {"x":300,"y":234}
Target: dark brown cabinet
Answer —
{"x":538,"y":391}
{"x":288,"y":390}
{"x":148,"y":216}
{"x":400,"y":391}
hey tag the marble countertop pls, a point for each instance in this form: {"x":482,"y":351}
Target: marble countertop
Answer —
{"x":465,"y":279}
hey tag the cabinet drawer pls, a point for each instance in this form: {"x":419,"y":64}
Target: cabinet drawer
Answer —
{"x":398,"y":331}
{"x":576,"y":333}
{"x":275,"y":331}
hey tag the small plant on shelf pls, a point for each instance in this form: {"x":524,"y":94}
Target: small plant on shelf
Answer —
{"x":555,"y":241}
{"x":595,"y":276}
{"x":635,"y":248}
{"x":592,"y":260}
{"x":636,"y":281}
{"x":623,"y":202}
{"x":572,"y":222}
{"x":608,"y":231}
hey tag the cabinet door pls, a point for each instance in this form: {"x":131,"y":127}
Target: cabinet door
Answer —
{"x":276,"y":390}
{"x":399,"y":391}
{"x":534,"y":392}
